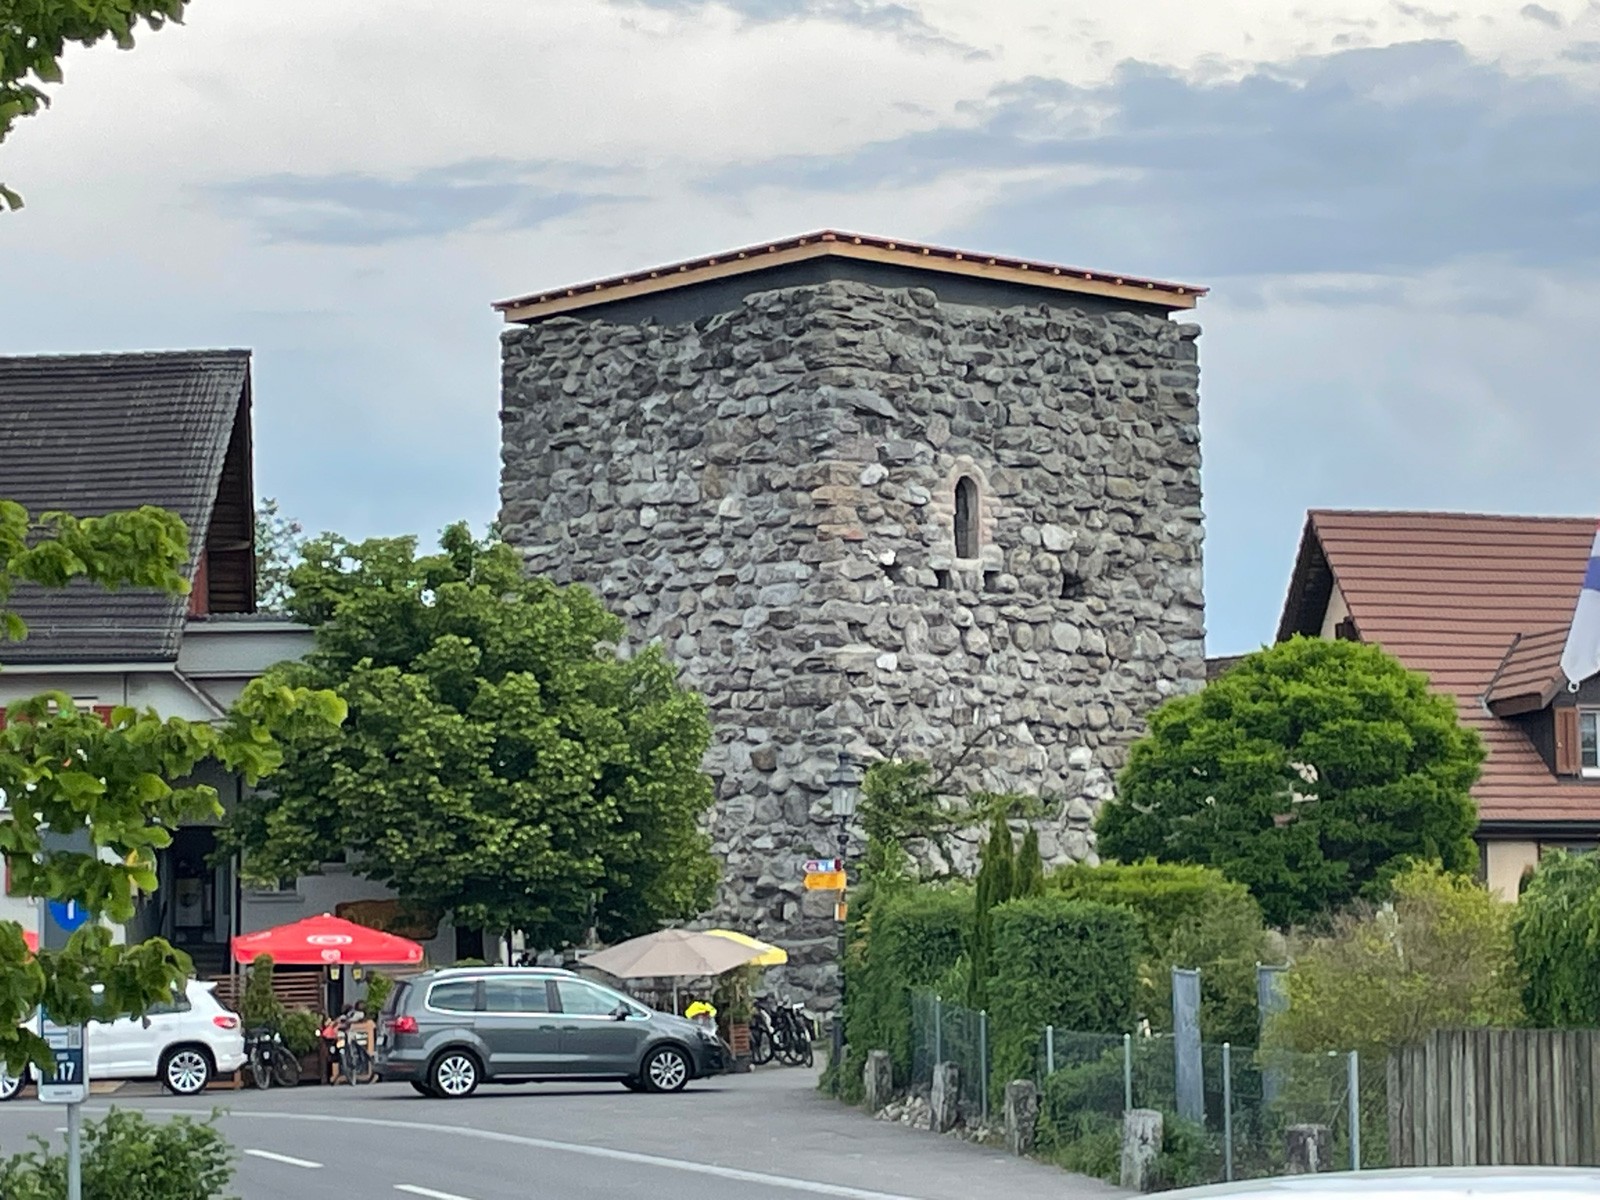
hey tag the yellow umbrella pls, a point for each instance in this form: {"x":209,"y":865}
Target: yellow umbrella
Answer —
{"x":769,"y":956}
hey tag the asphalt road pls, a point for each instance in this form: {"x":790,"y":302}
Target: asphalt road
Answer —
{"x":764,"y":1136}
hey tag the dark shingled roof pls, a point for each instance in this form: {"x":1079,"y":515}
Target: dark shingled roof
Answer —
{"x":93,"y":433}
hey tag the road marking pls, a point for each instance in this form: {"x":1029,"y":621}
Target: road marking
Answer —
{"x":284,"y":1158}
{"x":810,"y":1186}
{"x":428,"y":1192}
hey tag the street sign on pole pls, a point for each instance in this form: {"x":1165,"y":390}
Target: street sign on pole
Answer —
{"x":822,"y":866}
{"x":68,"y":1083}
{"x":68,"y":914}
{"x":825,"y":881}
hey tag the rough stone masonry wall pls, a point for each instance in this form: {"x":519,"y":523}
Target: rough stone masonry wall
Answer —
{"x":770,"y":493}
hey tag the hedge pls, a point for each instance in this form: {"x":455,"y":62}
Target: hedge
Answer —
{"x":1068,"y":963}
{"x":910,"y":940}
{"x":1162,"y":895}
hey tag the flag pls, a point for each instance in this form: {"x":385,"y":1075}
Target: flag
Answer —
{"x":1581,"y":657}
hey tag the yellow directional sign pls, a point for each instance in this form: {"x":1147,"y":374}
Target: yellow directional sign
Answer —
{"x":825,"y":881}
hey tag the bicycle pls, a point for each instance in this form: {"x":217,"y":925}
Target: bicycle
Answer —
{"x":785,"y":1033}
{"x":269,"y":1060}
{"x":350,"y":1050}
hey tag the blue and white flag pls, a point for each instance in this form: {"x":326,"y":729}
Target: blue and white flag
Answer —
{"x":1581,"y":657}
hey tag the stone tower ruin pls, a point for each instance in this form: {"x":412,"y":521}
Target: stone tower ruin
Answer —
{"x":871,"y":495}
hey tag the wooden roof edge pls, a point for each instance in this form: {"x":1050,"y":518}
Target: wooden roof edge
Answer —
{"x":1309,"y":557}
{"x":1000,"y":268}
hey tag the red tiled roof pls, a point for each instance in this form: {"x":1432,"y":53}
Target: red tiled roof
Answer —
{"x":1531,"y":673}
{"x":1472,"y":601}
{"x":836,"y":243}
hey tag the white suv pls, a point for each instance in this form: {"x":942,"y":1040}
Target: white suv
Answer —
{"x":184,"y":1043}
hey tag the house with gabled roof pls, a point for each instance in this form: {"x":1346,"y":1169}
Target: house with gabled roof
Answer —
{"x":1480,"y":604}
{"x":94,"y":433}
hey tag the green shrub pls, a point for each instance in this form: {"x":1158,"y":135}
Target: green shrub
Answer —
{"x":1440,"y":957}
{"x":128,"y":1157}
{"x":908,"y":941}
{"x":1068,"y":963}
{"x":1089,"y":1143}
{"x":1557,"y":936}
{"x":378,"y":988}
{"x":1189,"y":916}
{"x":301,"y":1032}
{"x":261,"y":1008}
{"x":1190,"y":1156}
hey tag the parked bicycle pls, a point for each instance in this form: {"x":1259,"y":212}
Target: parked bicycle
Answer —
{"x":781,"y":1030}
{"x":348,"y":1047}
{"x":269,"y":1061}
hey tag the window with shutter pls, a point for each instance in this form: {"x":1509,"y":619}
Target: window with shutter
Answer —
{"x":1589,"y":742}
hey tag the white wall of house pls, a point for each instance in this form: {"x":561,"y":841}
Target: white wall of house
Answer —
{"x":1337,"y":611}
{"x":322,"y":893}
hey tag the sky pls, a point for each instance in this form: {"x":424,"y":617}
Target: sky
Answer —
{"x":1396,"y":207}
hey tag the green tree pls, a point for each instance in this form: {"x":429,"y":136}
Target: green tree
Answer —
{"x":65,"y":773}
{"x":278,"y":542}
{"x":1439,"y":956}
{"x":34,"y":34}
{"x":1557,"y":933}
{"x":1029,"y":869}
{"x":996,"y":876}
{"x":1311,"y":772}
{"x":501,"y":760}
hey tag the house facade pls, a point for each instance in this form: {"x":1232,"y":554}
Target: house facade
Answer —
{"x":1481,"y":605}
{"x":874,"y":498}
{"x":90,"y":434}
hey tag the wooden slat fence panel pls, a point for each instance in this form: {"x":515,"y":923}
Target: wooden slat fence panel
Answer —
{"x":1493,"y":1097}
{"x":294,"y":989}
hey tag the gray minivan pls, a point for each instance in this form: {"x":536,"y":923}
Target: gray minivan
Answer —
{"x":446,"y":1031}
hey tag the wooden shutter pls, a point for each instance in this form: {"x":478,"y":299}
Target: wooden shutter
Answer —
{"x":1566,"y":741}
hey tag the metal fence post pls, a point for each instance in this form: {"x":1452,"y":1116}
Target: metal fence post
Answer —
{"x":1227,"y":1112}
{"x":1127,"y":1072}
{"x":938,"y":1029}
{"x":983,"y":1057}
{"x":1049,"y":1051}
{"x":1354,"y":1083}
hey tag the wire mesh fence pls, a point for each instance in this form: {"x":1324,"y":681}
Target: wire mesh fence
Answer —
{"x":1237,"y":1124}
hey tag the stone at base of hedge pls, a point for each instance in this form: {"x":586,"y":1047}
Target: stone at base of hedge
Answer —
{"x":1141,"y":1143}
{"x":1022,"y":1114}
{"x":878,"y":1077}
{"x":945,"y":1099}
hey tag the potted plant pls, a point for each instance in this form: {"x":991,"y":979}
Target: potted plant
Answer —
{"x":302,"y":1035}
{"x":734,"y":998}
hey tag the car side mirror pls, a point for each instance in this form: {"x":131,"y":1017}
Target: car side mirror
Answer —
{"x":145,"y":1021}
{"x":619,"y":1013}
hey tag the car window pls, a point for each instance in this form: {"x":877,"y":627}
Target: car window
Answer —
{"x":395,"y":1001}
{"x":515,"y":996}
{"x":176,"y":1003}
{"x":585,"y":999}
{"x":457,"y":995}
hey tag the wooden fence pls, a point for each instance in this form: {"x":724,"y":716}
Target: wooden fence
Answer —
{"x":295,"y":989}
{"x":1491,"y":1097}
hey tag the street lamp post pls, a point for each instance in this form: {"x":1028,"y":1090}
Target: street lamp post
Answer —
{"x":842,"y":787}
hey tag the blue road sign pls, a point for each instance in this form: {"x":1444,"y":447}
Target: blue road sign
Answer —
{"x":68,"y":914}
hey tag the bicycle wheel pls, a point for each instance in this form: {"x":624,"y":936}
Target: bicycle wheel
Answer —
{"x":260,"y":1069}
{"x":760,"y":1045}
{"x":285,"y":1067}
{"x":361,"y":1069}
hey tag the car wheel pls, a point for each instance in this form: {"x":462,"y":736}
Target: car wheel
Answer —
{"x":633,"y":1084}
{"x":185,"y":1070}
{"x":667,"y":1070}
{"x":454,"y":1075}
{"x":421,"y":1088}
{"x":10,"y":1085}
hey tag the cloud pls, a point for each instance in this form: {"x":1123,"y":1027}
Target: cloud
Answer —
{"x":1582,"y":52}
{"x":350,"y":209}
{"x":876,"y":16}
{"x":1383,"y":159}
{"x":1543,"y":15}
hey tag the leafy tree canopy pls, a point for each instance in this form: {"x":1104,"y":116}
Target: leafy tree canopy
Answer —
{"x":67,"y":774}
{"x":1440,"y":956}
{"x":34,"y":34}
{"x":278,"y":542}
{"x":501,"y":760}
{"x":1311,"y":772}
{"x":1558,"y":942}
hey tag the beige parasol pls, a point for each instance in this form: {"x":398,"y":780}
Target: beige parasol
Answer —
{"x":672,"y":953}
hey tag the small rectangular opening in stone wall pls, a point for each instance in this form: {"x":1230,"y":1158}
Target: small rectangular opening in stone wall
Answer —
{"x":942,"y":577}
{"x":991,"y":581}
{"x":1071,"y":587}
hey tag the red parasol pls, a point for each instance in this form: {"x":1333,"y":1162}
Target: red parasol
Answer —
{"x":31,"y":940}
{"x":325,"y":941}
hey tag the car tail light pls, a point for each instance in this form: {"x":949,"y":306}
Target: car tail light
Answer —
{"x":402,"y":1024}
{"x":225,"y":1021}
